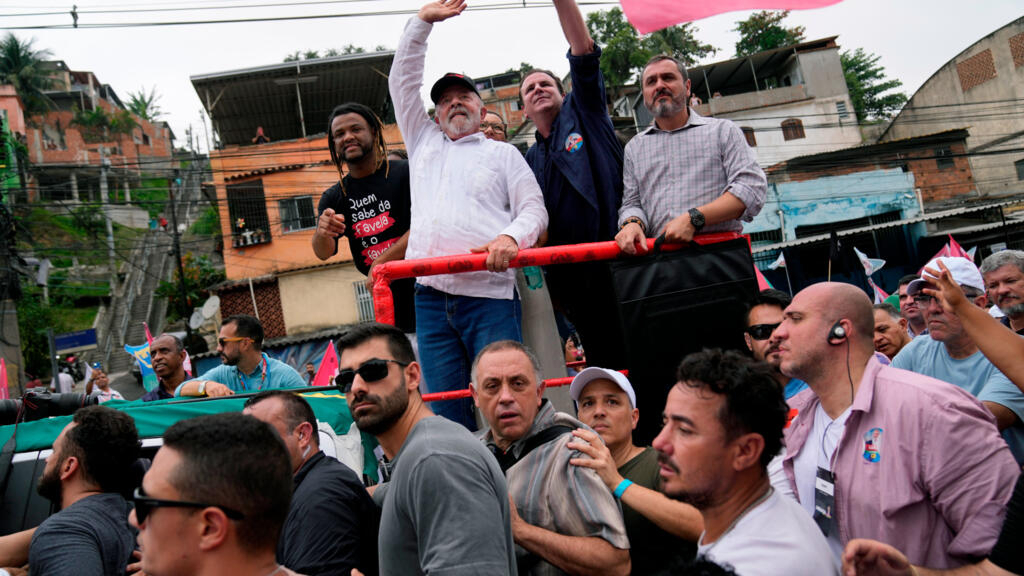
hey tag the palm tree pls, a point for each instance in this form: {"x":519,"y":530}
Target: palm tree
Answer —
{"x":22,"y":67}
{"x":144,"y":105}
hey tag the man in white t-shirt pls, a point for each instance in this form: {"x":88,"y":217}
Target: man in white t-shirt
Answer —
{"x":723,"y":424}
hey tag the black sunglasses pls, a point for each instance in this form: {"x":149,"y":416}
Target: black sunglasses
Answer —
{"x":144,"y":505}
{"x":762,"y":331}
{"x":370,"y":371}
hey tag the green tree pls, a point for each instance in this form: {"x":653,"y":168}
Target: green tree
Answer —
{"x":310,"y":55}
{"x":293,"y":57}
{"x":764,"y":31}
{"x":869,"y":88}
{"x":144,"y":105}
{"x":200,"y":274}
{"x":624,"y":52}
{"x":353,"y":49}
{"x":22,"y":66}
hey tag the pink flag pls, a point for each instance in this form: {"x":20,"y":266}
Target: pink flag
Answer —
{"x":880,"y":294}
{"x":187,"y":364}
{"x":328,"y":367}
{"x":762,"y":282}
{"x":4,"y":392}
{"x":955,"y":249}
{"x":650,"y":15}
{"x":149,"y":337}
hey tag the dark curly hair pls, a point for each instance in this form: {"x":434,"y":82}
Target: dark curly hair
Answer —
{"x":107,"y":443}
{"x":753,"y":399}
{"x":376,"y":126}
{"x":398,"y":342}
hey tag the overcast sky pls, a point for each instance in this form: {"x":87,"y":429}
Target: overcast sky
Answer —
{"x":913,"y":37}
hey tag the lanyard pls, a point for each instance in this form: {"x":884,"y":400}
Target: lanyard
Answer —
{"x":263,"y":374}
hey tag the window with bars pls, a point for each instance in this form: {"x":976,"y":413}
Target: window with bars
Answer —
{"x":842,"y":110}
{"x":364,"y":302}
{"x":247,"y":207}
{"x":793,"y":129}
{"x":748,"y":133}
{"x":772,"y":236}
{"x":1019,"y":165}
{"x":297,"y":214}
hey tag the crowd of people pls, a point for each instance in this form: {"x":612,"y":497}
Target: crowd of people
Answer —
{"x":851,"y":438}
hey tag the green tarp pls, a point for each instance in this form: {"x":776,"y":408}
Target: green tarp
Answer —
{"x":152,"y":418}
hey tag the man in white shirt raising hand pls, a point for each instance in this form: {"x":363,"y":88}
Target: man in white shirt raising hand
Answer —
{"x":469,"y":195}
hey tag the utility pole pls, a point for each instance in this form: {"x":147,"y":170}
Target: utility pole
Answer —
{"x":105,"y":198}
{"x":176,"y":235}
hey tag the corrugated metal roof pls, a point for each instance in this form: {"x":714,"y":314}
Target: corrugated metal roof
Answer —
{"x":239,"y":101}
{"x":920,"y":218}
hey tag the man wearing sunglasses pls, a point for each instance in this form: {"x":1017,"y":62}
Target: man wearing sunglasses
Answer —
{"x":85,"y":477}
{"x":949,"y":353}
{"x":446,"y":509}
{"x":763,"y":317}
{"x":246,"y":367}
{"x":332,"y":524}
{"x":215,"y":499}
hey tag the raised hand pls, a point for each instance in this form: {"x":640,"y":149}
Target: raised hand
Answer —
{"x":441,"y":10}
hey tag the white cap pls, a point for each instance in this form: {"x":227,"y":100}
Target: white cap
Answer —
{"x":963,"y":271}
{"x":588,"y":375}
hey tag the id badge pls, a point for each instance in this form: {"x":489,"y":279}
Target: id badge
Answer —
{"x":824,"y":500}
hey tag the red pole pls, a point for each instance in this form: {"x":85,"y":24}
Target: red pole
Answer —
{"x":384,"y":274}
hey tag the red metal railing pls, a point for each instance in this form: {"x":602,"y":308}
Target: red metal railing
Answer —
{"x":384,"y":274}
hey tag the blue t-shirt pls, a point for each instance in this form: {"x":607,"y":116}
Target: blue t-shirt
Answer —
{"x":276,"y":374}
{"x":974,"y":374}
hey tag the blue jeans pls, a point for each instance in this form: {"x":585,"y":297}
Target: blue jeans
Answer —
{"x":450,"y":331}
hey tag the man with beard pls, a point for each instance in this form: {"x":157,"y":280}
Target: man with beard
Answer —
{"x":877,"y":452}
{"x":446,"y":508}
{"x":723,"y":424}
{"x":168,"y":354}
{"x":1004,"y":282}
{"x":245,"y":368}
{"x":909,"y":309}
{"x":686,"y":174}
{"x":763,"y":317}
{"x":577,"y":160}
{"x":470,"y":194}
{"x":369,"y":205}
{"x":85,"y":477}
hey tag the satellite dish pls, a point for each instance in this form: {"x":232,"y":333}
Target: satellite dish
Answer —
{"x":197,"y":319}
{"x":210,"y":307}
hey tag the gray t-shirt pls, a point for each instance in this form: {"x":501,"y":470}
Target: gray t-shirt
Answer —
{"x":89,"y":538}
{"x":445,"y":510}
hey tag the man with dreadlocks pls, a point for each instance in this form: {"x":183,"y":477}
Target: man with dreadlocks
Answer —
{"x":369,"y":205}
{"x":470,"y":194}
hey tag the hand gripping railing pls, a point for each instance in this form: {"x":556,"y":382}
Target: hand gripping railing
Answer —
{"x":384,"y":274}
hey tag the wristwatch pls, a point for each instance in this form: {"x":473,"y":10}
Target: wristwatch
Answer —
{"x":697,"y":219}
{"x":202,"y":387}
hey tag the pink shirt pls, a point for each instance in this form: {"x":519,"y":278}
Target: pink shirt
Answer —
{"x":920,"y":466}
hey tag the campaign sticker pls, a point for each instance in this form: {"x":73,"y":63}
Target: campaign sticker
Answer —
{"x":573,"y":142}
{"x":873,"y":445}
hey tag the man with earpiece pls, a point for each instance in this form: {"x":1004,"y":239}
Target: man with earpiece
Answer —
{"x":882,"y":453}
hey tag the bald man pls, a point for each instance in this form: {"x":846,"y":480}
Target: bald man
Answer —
{"x":882,"y":453}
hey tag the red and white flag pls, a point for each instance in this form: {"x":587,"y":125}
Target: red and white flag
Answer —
{"x":650,"y":15}
{"x":328,"y":367}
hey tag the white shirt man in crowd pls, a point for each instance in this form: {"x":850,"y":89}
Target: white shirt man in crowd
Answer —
{"x":723,"y":423}
{"x":469,"y":194}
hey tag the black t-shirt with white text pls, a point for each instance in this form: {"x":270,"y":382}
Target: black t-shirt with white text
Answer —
{"x":377,"y":212}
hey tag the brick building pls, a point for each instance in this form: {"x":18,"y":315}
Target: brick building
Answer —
{"x":268,"y":192}
{"x":65,"y":154}
{"x":981,"y":87}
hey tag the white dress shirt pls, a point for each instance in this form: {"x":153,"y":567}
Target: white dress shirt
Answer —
{"x":464,"y":192}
